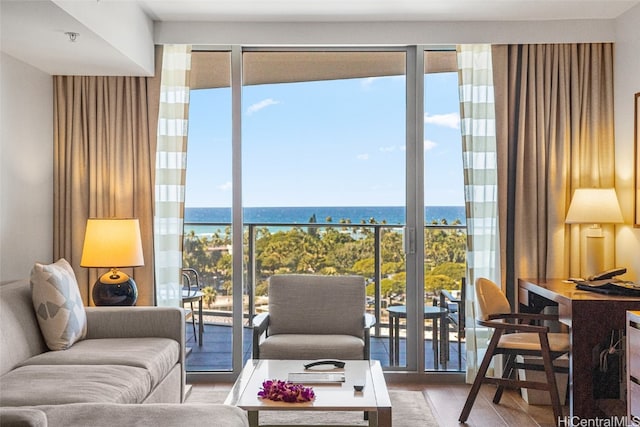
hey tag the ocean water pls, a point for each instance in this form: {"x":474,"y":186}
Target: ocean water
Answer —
{"x":302,"y":215}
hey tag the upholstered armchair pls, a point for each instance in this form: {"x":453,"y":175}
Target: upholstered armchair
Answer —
{"x":313,"y":317}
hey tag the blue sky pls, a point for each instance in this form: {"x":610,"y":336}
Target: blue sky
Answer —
{"x":325,"y":143}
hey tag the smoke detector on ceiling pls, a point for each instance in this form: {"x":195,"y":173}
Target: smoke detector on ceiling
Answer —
{"x":73,"y":36}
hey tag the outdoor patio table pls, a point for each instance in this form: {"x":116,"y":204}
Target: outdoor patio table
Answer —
{"x":433,"y":313}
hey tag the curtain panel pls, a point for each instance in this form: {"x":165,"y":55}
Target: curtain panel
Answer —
{"x":104,"y":140}
{"x":477,"y":126}
{"x":555,"y":133}
{"x":170,"y":171}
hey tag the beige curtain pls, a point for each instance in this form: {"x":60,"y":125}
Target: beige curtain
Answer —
{"x":170,"y":172}
{"x":103,"y":166}
{"x":555,"y":134}
{"x":477,"y":113}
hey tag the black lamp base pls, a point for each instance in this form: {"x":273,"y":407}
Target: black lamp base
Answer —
{"x":115,"y":288}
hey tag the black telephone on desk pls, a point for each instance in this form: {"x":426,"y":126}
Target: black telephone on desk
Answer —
{"x":320,"y":362}
{"x":608,"y":274}
{"x":605,"y":283}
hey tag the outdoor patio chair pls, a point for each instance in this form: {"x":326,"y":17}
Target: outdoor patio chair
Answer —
{"x":314,"y":317}
{"x":512,"y":339}
{"x":191,"y":292}
{"x":455,"y":317}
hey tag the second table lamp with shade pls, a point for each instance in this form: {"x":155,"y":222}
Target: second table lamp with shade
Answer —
{"x":594,"y":206}
{"x":113,"y":243}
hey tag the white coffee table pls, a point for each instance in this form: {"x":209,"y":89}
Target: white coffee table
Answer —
{"x":374,"y":398}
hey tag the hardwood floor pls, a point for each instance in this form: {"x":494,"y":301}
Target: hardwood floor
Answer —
{"x":446,"y":401}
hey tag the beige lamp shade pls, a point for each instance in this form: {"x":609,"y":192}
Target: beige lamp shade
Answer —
{"x":112,"y":242}
{"x":594,"y":206}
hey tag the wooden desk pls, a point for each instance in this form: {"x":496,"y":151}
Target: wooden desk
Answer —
{"x":591,"y":317}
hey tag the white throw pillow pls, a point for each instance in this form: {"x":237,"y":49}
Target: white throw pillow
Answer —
{"x":58,"y":304}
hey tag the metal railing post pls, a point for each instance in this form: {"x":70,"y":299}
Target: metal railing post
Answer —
{"x":378,"y":277}
{"x":251,"y":271}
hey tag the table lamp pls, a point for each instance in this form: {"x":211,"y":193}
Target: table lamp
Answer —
{"x":594,"y":206}
{"x":113,"y":243}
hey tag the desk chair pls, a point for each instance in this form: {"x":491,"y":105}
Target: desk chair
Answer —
{"x":191,"y":293}
{"x":513,"y":339}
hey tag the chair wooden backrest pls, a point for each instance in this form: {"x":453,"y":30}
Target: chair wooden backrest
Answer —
{"x":490,"y":299}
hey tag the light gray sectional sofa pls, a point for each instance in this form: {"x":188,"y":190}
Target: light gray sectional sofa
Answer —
{"x":129,"y":356}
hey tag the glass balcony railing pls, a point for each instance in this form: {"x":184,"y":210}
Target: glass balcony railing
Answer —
{"x":372,"y":250}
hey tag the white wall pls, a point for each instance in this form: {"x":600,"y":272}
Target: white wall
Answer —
{"x":26,"y":168}
{"x":627,"y":83}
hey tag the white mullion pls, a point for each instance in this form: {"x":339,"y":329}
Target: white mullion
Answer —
{"x":414,"y":207}
{"x":237,"y":223}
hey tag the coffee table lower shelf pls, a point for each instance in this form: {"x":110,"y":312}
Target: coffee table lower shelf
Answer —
{"x":373,"y":399}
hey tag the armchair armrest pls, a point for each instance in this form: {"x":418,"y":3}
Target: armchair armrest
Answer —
{"x":260,"y":325}
{"x":369,"y":320}
{"x":260,"y":322}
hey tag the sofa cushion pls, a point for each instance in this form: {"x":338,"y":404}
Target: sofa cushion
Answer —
{"x":296,"y":346}
{"x":156,"y":355}
{"x":109,"y":414}
{"x":58,"y":304}
{"x":55,"y":385}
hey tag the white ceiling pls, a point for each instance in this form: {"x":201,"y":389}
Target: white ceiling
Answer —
{"x":116,"y":36}
{"x":381,"y":10}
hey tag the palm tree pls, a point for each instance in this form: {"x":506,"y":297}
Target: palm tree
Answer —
{"x":210,"y":295}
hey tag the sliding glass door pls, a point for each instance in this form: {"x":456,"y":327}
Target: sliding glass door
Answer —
{"x":321,"y":161}
{"x":324,"y":173}
{"x":444,"y":232}
{"x":207,"y":232}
